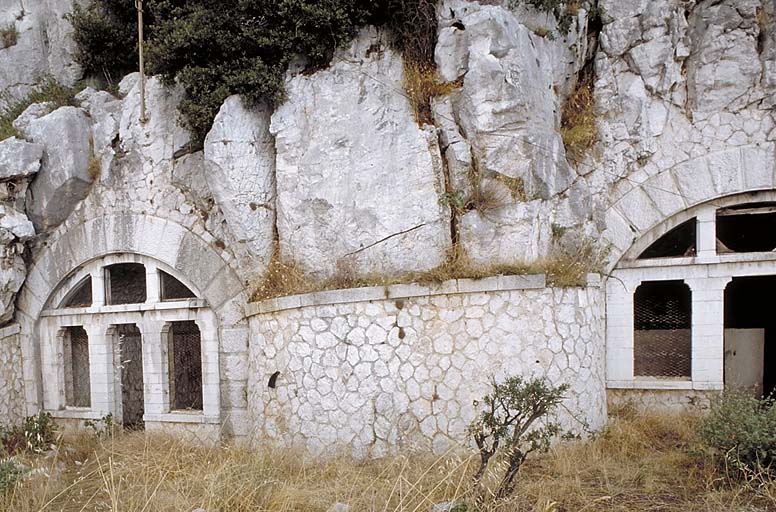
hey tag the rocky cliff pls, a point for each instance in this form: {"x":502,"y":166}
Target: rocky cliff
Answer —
{"x":343,"y":179}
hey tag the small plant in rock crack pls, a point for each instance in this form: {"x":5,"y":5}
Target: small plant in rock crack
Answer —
{"x":512,"y":424}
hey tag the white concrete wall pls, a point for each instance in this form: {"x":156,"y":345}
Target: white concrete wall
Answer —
{"x":371,"y":369}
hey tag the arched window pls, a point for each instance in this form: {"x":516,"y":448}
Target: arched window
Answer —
{"x":662,"y":330}
{"x":127,"y":336}
{"x":680,"y":241}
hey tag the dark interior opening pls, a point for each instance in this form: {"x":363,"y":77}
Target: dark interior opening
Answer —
{"x":173,"y":289}
{"x":662,"y":339}
{"x":747,"y":228}
{"x":80,"y":296}
{"x":749,"y":304}
{"x":126,"y":283}
{"x":680,"y":241}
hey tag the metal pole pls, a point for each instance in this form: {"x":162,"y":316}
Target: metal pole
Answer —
{"x":139,"y":6}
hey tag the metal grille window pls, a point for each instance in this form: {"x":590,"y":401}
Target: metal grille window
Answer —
{"x":80,"y":296}
{"x":77,"y":381}
{"x":125,"y":283}
{"x":185,"y":364}
{"x":662,"y":338}
{"x":173,"y":289}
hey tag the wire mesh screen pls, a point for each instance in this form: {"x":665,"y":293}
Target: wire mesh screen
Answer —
{"x":662,"y":338}
{"x":131,"y":354}
{"x":185,"y":360}
{"x":126,"y":283}
{"x":77,"y":381}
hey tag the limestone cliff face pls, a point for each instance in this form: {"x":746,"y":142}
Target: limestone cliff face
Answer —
{"x":43,"y":46}
{"x":342,"y":179}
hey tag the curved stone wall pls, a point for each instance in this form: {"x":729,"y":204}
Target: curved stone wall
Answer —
{"x":371,"y":369}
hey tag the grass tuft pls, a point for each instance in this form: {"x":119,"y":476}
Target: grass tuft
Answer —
{"x":578,"y":121}
{"x":422,"y":84}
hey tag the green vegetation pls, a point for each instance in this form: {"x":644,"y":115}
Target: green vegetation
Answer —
{"x":512,"y":423}
{"x":49,"y":91}
{"x":215,"y":49}
{"x":741,"y":431}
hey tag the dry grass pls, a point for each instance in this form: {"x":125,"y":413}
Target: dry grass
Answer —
{"x":563,"y":269}
{"x":641,"y":462}
{"x":578,"y":127}
{"x":422,"y":84}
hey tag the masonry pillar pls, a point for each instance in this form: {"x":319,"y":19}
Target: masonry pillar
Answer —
{"x":706,"y":234}
{"x":155,"y":390}
{"x":619,"y":328}
{"x":708,"y":331}
{"x":100,"y":368}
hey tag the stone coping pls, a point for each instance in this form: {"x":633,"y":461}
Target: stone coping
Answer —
{"x":406,"y":291}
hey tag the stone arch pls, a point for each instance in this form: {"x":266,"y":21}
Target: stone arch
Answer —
{"x":187,"y":250}
{"x":643,"y":203}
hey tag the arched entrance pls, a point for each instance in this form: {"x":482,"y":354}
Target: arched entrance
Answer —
{"x":56,"y":291}
{"x":126,"y":335}
{"x":687,"y":304}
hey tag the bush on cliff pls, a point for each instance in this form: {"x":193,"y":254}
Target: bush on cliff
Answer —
{"x":218,"y":48}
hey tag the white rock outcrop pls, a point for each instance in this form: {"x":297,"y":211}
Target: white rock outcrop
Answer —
{"x":500,"y":130}
{"x":19,"y":158}
{"x":358,"y":181}
{"x":65,"y":177}
{"x":240,"y":171}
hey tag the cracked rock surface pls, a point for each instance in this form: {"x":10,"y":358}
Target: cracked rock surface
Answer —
{"x":358,"y":181}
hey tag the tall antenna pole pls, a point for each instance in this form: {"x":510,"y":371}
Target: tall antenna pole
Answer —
{"x":139,"y":6}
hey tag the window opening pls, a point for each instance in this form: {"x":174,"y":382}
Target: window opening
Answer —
{"x":130,"y":365}
{"x":125,"y":283}
{"x":749,"y":307}
{"x":173,"y":289}
{"x":77,"y":379}
{"x":80,"y":296}
{"x":679,"y":241}
{"x":185,"y":366}
{"x":662,"y":338}
{"x":747,"y":227}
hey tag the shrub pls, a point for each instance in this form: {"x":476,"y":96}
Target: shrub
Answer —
{"x":36,"y":434}
{"x":741,"y":431}
{"x":512,"y":422}
{"x":10,"y":473}
{"x":49,"y":91}
{"x":215,"y":49}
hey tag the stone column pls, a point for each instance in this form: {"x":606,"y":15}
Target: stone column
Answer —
{"x":211,"y":398}
{"x":152,"y":283}
{"x":98,"y":287}
{"x":155,"y":382}
{"x":100,"y":368}
{"x":708,"y":331}
{"x":619,"y":327}
{"x":706,"y":234}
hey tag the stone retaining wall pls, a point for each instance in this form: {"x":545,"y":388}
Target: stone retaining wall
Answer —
{"x":11,"y":378}
{"x":372,"y":369}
